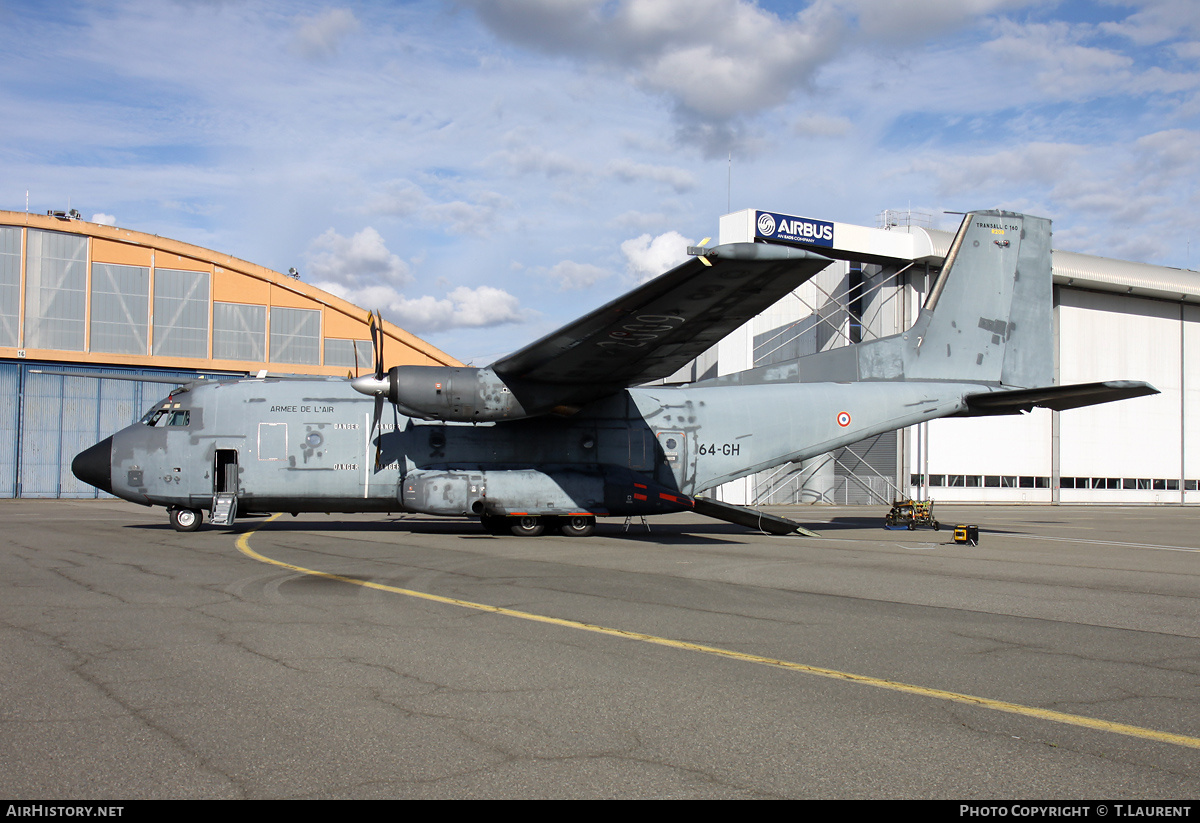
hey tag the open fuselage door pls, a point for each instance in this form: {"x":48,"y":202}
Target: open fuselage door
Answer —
{"x":225,"y":487}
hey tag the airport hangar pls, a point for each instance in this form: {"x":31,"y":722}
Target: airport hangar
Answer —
{"x":97,"y":300}
{"x":92,"y":299}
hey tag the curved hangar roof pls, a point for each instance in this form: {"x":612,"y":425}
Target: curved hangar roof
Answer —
{"x":81,"y":292}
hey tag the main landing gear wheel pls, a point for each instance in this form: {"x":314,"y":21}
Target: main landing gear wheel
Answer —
{"x":527,"y":526}
{"x":577,"y":526}
{"x":185,"y":520}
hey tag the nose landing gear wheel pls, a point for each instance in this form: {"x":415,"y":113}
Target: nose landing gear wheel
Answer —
{"x":185,"y":520}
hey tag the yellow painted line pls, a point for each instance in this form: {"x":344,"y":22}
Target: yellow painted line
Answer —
{"x":243,"y":544}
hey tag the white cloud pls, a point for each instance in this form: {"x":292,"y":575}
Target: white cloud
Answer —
{"x":681,"y":180}
{"x":522,"y":155}
{"x":570,"y":275}
{"x":322,"y":35}
{"x":355,"y":262}
{"x":461,"y":217}
{"x":104,"y":219}
{"x":715,"y":58}
{"x":639,"y":221}
{"x":813,"y":124}
{"x":403,"y":198}
{"x":1158,"y":21}
{"x":1063,"y":66}
{"x":648,"y":257}
{"x":398,"y":198}
{"x":913,"y":20}
{"x":1123,"y":201}
{"x":721,"y":60}
{"x":362,"y":270}
{"x":461,"y":308}
{"x":1037,"y":164}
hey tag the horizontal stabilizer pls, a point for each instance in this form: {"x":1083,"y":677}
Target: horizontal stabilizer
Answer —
{"x":769,"y":523}
{"x":1058,"y":398}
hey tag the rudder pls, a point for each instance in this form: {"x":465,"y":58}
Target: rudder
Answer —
{"x":995,"y":298}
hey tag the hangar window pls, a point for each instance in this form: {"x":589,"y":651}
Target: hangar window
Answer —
{"x":342,"y":353}
{"x":10,"y":283}
{"x":55,"y":290}
{"x":295,"y":336}
{"x":239,"y":332}
{"x":120,"y":309}
{"x":180,"y":313}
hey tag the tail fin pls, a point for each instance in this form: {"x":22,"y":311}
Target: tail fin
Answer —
{"x":987,"y":318}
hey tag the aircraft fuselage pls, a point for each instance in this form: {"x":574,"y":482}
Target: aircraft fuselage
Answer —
{"x":314,"y":445}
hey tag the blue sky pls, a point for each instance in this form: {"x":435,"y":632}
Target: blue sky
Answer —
{"x":484,"y":171}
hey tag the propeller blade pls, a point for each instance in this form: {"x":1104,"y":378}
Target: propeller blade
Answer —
{"x":375,"y":428}
{"x":376,"y":386}
{"x":377,"y":340}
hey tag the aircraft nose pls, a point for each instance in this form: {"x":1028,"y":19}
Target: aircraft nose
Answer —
{"x":94,"y":465}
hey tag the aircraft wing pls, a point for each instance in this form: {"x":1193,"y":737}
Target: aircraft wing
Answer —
{"x":1059,"y":398}
{"x":656,"y":329}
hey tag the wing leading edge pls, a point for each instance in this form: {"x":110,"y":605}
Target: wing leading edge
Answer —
{"x":656,"y":329}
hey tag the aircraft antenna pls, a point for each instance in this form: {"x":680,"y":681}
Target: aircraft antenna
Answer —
{"x":729,"y":185}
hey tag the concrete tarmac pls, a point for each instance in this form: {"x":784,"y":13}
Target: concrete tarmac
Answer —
{"x":297,"y":658}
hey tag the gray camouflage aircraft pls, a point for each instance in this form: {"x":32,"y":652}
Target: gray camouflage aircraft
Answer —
{"x":565,"y":431}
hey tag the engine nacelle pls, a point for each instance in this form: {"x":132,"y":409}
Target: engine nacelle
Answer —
{"x":464,"y":395}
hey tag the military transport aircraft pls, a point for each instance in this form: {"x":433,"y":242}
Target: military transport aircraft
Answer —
{"x":565,"y":430}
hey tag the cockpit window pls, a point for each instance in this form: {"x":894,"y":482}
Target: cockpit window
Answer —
{"x":160,"y":418}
